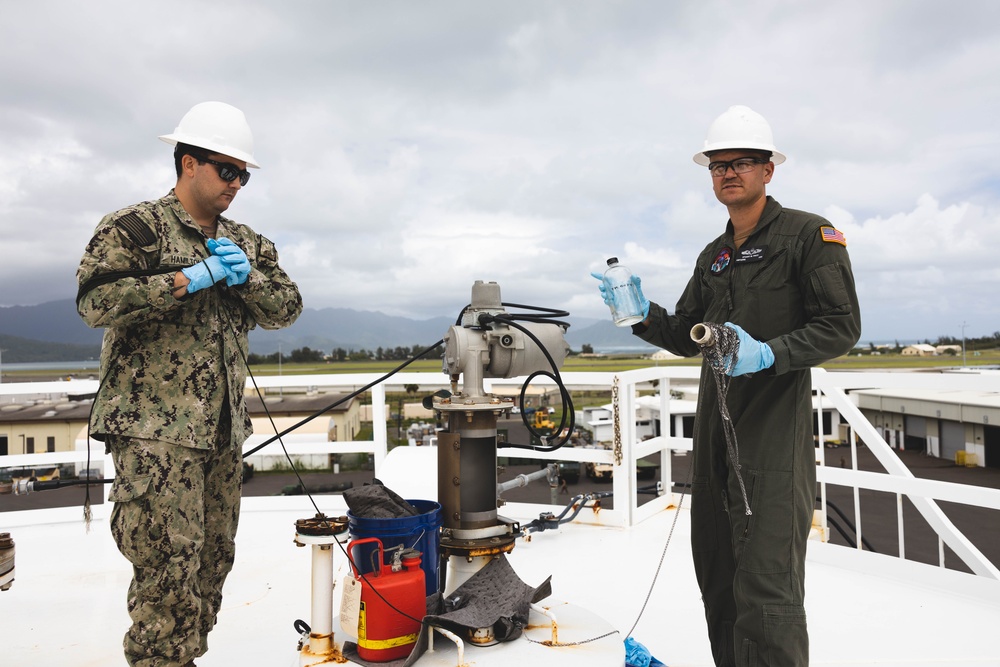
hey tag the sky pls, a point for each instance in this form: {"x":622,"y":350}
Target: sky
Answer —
{"x":408,"y":149}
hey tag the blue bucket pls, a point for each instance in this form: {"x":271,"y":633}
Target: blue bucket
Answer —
{"x":421,"y":532}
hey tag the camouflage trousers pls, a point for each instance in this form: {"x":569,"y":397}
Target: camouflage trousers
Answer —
{"x":175,"y":517}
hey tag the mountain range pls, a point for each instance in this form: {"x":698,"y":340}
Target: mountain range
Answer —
{"x":53,"y":331}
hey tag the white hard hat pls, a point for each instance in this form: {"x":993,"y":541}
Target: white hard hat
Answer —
{"x":739,"y":127}
{"x":216,"y":127}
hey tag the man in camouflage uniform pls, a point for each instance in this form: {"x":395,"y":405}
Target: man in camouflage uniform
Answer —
{"x":171,"y":406}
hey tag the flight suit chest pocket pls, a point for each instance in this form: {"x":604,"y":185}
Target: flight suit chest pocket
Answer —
{"x":716,"y":295}
{"x":769,"y":273}
{"x":768,"y":296}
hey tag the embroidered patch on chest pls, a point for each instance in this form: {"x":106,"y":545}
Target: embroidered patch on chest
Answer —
{"x":722,"y":260}
{"x":748,"y":255}
{"x":831,"y":235}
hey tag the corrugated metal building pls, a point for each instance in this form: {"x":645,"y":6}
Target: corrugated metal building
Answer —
{"x":961,"y":426}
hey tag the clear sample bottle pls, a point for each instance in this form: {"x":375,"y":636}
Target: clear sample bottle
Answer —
{"x":626,"y":309}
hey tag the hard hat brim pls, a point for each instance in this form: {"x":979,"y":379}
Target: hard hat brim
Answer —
{"x":179,"y":138}
{"x":701,"y":157}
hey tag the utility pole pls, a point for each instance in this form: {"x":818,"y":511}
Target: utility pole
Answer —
{"x":963,"y":343}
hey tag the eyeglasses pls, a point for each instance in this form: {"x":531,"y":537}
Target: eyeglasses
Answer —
{"x":740,"y":165}
{"x":227,"y":171}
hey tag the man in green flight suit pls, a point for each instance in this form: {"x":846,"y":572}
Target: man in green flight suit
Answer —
{"x":177,"y":287}
{"x":781,"y":280}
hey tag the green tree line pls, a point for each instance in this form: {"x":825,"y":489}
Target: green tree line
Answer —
{"x":308,"y":355}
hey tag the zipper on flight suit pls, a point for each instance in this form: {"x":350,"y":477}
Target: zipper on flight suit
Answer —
{"x":766,"y":264}
{"x":747,"y":520}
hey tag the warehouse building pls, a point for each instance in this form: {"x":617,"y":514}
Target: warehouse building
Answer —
{"x":961,"y":426}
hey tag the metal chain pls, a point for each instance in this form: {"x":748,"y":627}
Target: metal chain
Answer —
{"x":583,"y":641}
{"x":616,"y":421}
{"x":721,"y":354}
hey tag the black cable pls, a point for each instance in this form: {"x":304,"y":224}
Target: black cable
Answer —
{"x":528,"y":317}
{"x":227,"y":324}
{"x":87,"y":512}
{"x":850,"y":524}
{"x":567,"y":400}
{"x":363,"y":389}
{"x":843,"y":533}
{"x":60,"y":483}
{"x":113,"y":276}
{"x":577,"y":504}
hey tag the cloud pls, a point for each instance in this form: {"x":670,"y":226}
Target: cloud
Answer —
{"x":929,"y":263}
{"x":408,"y":149}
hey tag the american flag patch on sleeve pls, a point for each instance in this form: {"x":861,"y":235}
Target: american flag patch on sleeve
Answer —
{"x":831,"y":235}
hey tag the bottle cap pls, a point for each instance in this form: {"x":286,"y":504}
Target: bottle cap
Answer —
{"x":612,"y":260}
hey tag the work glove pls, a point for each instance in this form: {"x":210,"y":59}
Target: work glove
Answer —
{"x":636,"y":655}
{"x":643,"y":301}
{"x":752,"y":356}
{"x":204,"y":274}
{"x":609,"y":297}
{"x":236,"y":263}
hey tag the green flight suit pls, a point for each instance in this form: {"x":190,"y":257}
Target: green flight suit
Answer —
{"x":789,"y":285}
{"x":171,"y":410}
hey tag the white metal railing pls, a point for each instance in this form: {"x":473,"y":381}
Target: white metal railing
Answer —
{"x":831,"y":386}
{"x":898,"y":479}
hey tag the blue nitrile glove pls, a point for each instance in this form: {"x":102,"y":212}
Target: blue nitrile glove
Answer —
{"x":606,"y":293}
{"x":602,"y":287}
{"x":636,"y":655}
{"x":204,"y":274}
{"x":643,"y":301}
{"x":752,"y":355}
{"x":237,"y":264}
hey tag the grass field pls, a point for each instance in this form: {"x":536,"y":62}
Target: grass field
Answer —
{"x":614,"y":363}
{"x":624,"y":362}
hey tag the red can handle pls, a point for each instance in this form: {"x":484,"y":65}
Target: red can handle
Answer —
{"x":365,"y":540}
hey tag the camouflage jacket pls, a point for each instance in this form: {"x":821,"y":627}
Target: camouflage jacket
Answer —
{"x":168,"y":365}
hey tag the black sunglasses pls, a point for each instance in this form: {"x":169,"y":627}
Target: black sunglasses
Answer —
{"x":227,"y":171}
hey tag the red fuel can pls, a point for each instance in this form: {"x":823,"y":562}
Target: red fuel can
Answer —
{"x":392,"y":605}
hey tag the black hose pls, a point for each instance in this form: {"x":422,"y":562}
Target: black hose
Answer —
{"x":577,"y":504}
{"x":850,"y":524}
{"x":567,"y":399}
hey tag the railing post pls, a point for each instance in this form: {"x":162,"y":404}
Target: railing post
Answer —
{"x":624,"y":479}
{"x":666,"y":423}
{"x":380,"y":427}
{"x":899,"y":520}
{"x":821,"y":457}
{"x":857,"y":491}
